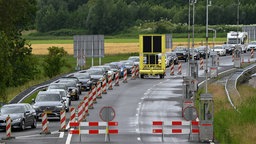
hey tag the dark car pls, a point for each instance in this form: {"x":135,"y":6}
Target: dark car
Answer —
{"x":182,"y":53}
{"x":128,"y":64}
{"x":229,"y":48}
{"x":72,"y":88}
{"x":195,"y":54}
{"x":48,"y":102}
{"x":172,"y":57}
{"x":21,"y":114}
{"x":72,"y":78}
{"x":85,"y":80}
{"x":96,"y":75}
{"x":202,"y":50}
{"x":121,"y":67}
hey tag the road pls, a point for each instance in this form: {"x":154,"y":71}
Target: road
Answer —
{"x":136,"y":104}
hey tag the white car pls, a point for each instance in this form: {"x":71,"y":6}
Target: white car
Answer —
{"x":251,"y":45}
{"x":221,"y":51}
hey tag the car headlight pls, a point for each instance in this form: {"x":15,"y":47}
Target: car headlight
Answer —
{"x":59,"y":106}
{"x":73,"y":90}
{"x":16,"y":120}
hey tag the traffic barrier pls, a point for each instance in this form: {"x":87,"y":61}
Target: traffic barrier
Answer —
{"x":137,"y":70}
{"x":104,"y":86}
{"x":252,"y":53}
{"x":110,"y":87}
{"x":249,"y":60}
{"x":94,"y":131}
{"x":94,"y":94}
{"x":63,"y":120}
{"x":99,"y":90}
{"x":201,"y":64}
{"x":242,"y":59}
{"x":8,"y":128}
{"x":80,"y":112}
{"x":172,"y":127}
{"x":90,"y":99}
{"x":45,"y":129}
{"x":86,"y":105}
{"x":233,"y":56}
{"x":179,"y":69}
{"x":194,"y":131}
{"x":125,"y":76}
{"x":117,"y":79}
{"x":172,"y":69}
{"x":133,"y":73}
{"x":72,"y":114}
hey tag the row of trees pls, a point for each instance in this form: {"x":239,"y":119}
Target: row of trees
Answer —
{"x":17,"y":64}
{"x":110,"y":16}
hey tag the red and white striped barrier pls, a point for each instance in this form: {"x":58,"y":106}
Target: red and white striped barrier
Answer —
{"x":242,"y":59}
{"x":104,"y":86}
{"x":201,"y":63}
{"x":179,"y":69}
{"x":8,"y":126}
{"x":93,"y":124}
{"x":133,"y":73}
{"x":194,"y":131}
{"x":110,"y":87}
{"x":252,"y":53}
{"x":117,"y":79}
{"x":99,"y":90}
{"x":63,"y":120}
{"x":172,"y":69}
{"x":171,"y":127}
{"x":72,"y":114}
{"x":249,"y":60}
{"x":80,"y":112}
{"x":137,"y":71}
{"x":45,"y":129}
{"x":125,"y":76}
{"x":90,"y":99}
{"x":86,"y":106}
{"x":94,"y":94}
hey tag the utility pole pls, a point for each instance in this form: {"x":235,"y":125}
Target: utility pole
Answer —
{"x":188,"y":66}
{"x":206,"y":66}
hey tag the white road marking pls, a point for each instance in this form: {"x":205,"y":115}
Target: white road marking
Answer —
{"x":69,"y":137}
{"x":61,"y":135}
{"x":138,"y":138}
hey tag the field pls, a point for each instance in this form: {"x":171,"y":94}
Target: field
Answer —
{"x":111,"y":46}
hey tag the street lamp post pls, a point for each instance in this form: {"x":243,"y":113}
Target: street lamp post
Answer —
{"x":214,"y":37}
{"x":206,"y":65}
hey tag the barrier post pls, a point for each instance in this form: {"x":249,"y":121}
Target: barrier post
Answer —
{"x":117,"y":79}
{"x":104,"y":85}
{"x":125,"y":76}
{"x":172,"y":69}
{"x":133,"y":73}
{"x":110,"y":83}
{"x":201,"y":64}
{"x":137,"y":70}
{"x":86,"y":106}
{"x":90,"y":100}
{"x":179,"y":69}
{"x":72,"y":114}
{"x":8,"y":128}
{"x":252,"y":53}
{"x":233,"y":56}
{"x":63,"y":121}
{"x":45,"y":129}
{"x":94,"y":94}
{"x":99,"y":90}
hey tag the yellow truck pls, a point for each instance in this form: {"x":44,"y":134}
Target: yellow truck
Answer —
{"x":150,"y":48}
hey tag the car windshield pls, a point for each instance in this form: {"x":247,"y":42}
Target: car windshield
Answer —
{"x":57,"y":86}
{"x":47,"y":97}
{"x":83,"y":76}
{"x":218,"y":47}
{"x":180,"y":49}
{"x":12,"y":109}
{"x":253,"y":43}
{"x":135,"y":59}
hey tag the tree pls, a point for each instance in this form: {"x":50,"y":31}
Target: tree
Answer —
{"x":54,"y":61}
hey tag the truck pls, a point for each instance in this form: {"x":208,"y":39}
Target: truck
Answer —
{"x":151,"y":45}
{"x":237,"y":39}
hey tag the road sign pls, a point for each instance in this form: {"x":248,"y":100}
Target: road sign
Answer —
{"x":213,"y":72}
{"x":107,"y":113}
{"x":190,"y":113}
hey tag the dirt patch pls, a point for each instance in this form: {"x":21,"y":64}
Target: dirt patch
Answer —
{"x":110,"y":48}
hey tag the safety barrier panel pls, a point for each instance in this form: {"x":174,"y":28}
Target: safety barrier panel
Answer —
{"x":125,"y":76}
{"x":99,"y":90}
{"x":8,"y":128}
{"x":172,"y":69}
{"x":97,"y":128}
{"x":252,"y":53}
{"x":110,"y":83}
{"x":179,"y":69}
{"x":45,"y":129}
{"x":133,"y":73}
{"x":63,"y":120}
{"x":137,"y":70}
{"x":117,"y":79}
{"x":201,"y":63}
{"x":104,"y":86}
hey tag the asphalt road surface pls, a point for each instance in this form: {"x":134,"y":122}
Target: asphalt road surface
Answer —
{"x":136,"y":104}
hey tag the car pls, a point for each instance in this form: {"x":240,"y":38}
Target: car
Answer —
{"x":251,"y":45}
{"x":194,"y":52}
{"x":172,"y":57}
{"x":221,"y":51}
{"x":71,"y":78}
{"x":120,"y":66}
{"x":49,"y":102}
{"x":85,"y":79}
{"x":128,"y":64}
{"x":65,"y":96}
{"x":229,"y":49}
{"x":108,"y":71}
{"x":203,"y":51}
{"x":21,"y":114}
{"x":72,"y":88}
{"x":135,"y":59}
{"x":96,"y":75}
{"x":182,"y":53}
{"x":114,"y":68}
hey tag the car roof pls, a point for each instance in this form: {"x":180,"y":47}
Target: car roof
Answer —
{"x":49,"y":92}
{"x":16,"y":104}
